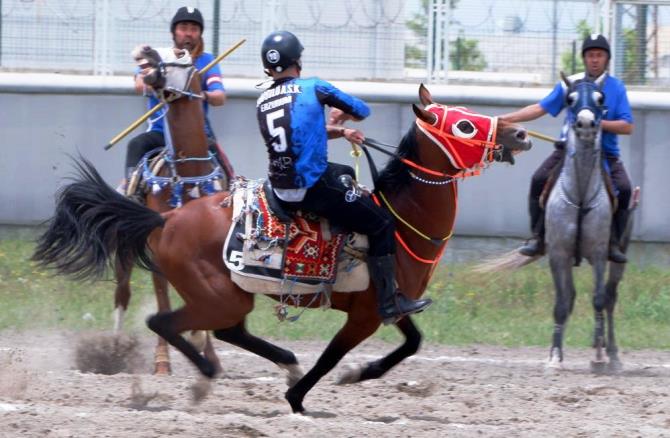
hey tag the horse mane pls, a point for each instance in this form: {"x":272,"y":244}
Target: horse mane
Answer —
{"x":395,"y":175}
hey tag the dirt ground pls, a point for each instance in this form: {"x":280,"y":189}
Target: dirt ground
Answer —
{"x":443,"y":391}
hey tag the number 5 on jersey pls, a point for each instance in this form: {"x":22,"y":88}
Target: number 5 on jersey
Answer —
{"x":277,"y":132}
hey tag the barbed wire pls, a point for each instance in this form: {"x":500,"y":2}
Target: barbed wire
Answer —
{"x":233,"y":15}
{"x":243,"y":8}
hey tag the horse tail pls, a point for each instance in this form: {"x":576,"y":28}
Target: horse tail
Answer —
{"x":508,"y":261}
{"x":92,"y":225}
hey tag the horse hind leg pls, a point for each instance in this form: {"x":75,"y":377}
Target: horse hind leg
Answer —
{"x":121,"y":294}
{"x":379,"y":367}
{"x":612,"y":350}
{"x":169,"y":325}
{"x":162,"y":365}
{"x":598,"y":364}
{"x":284,"y":359}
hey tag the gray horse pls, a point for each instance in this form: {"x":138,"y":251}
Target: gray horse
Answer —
{"x":578,"y":217}
{"x":578,"y":214}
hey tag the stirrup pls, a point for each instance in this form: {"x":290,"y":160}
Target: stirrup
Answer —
{"x":616,"y":255}
{"x":419,"y":306}
{"x":533,"y":247}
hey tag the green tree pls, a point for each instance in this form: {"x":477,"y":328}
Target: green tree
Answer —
{"x":463,"y":53}
{"x":631,"y":70}
{"x":569,"y":58}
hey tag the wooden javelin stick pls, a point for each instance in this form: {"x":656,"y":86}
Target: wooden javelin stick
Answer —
{"x":542,"y":136}
{"x":153,"y":110}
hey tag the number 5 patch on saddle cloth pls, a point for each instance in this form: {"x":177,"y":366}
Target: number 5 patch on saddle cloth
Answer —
{"x":303,"y":251}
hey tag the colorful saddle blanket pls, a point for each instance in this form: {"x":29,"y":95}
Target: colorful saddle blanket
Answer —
{"x":303,"y":250}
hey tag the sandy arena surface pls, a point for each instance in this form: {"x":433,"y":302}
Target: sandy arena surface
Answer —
{"x":477,"y":391}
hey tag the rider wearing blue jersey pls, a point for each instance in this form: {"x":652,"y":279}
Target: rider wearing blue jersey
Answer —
{"x":618,"y":120}
{"x":291,"y":120}
{"x":186,"y":27}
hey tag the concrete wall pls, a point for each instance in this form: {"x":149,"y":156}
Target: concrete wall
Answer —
{"x":46,"y":117}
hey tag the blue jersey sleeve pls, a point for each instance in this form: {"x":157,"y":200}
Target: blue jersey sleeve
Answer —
{"x":553,"y":102}
{"x":211,"y":80}
{"x":622,"y":110}
{"x":332,"y":96}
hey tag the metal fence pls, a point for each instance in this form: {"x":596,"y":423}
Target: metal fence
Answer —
{"x":640,"y":32}
{"x":488,"y":41}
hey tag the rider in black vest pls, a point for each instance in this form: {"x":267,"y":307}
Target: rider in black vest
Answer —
{"x":292,"y":122}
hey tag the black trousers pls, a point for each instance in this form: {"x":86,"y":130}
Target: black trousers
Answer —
{"x":327,"y":198}
{"x":149,"y":140}
{"x":618,"y":172}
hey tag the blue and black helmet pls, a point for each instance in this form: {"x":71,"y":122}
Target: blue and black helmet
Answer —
{"x":596,"y":41}
{"x":280,"y":50}
{"x":187,"y":13}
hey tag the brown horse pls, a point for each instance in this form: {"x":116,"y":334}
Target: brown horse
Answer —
{"x":185,"y":120}
{"x":92,"y":222}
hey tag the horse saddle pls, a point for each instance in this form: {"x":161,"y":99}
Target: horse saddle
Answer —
{"x":272,"y":251}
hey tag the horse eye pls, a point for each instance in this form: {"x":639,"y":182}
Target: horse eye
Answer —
{"x":465,"y":127}
{"x":572,"y":98}
{"x":598,"y":97}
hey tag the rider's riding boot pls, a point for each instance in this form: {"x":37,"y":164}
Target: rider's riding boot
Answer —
{"x":535,"y":245}
{"x":393,"y":304}
{"x":619,"y":222}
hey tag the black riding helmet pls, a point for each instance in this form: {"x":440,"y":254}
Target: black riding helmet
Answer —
{"x":187,"y":13}
{"x":596,"y":41}
{"x":280,"y":50}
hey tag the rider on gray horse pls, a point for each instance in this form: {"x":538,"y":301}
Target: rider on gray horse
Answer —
{"x":617,"y":121}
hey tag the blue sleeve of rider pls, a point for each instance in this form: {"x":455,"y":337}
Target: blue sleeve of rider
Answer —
{"x":553,"y":102}
{"x":330,"y":95}
{"x":211,"y":80}
{"x":622,"y":110}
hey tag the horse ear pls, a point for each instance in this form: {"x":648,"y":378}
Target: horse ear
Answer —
{"x":565,"y":80}
{"x":424,"y":96}
{"x":424,"y":115}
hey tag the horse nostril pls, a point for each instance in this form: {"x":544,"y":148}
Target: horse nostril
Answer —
{"x":579,"y":124}
{"x":593,"y":124}
{"x":521,"y":135}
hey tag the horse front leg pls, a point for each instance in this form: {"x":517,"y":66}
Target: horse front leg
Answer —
{"x":561,"y":270}
{"x":284,"y":359}
{"x":350,"y":335}
{"x":379,"y":367}
{"x":599,"y":301}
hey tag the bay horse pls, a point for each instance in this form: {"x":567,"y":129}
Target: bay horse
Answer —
{"x":578,"y":215}
{"x":419,"y":185}
{"x":184,"y":122}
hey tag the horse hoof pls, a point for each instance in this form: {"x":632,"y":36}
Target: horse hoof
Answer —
{"x":553,"y":365}
{"x":295,"y":373}
{"x":162,"y":369}
{"x":614,"y":366}
{"x":201,"y":389}
{"x":207,"y":369}
{"x":295,"y":401}
{"x":352,"y":374}
{"x":598,"y":366}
